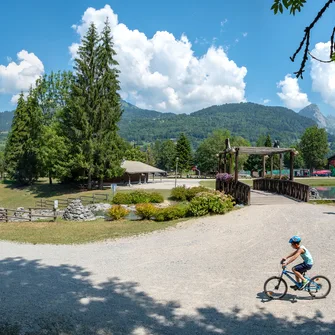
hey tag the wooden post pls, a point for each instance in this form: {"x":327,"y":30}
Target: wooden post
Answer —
{"x":93,"y":198}
{"x":6,"y":213}
{"x":224,"y":163}
{"x":264,"y":172}
{"x":236,"y":165}
{"x":271,"y":166}
{"x":279,"y":166}
{"x":30,"y":215}
{"x":291,"y":165}
{"x":230,"y":163}
{"x":55,"y":215}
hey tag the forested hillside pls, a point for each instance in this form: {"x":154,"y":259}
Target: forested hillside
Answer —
{"x":244,"y":119}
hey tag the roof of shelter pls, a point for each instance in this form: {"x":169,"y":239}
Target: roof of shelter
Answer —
{"x":260,"y":150}
{"x":133,"y":167}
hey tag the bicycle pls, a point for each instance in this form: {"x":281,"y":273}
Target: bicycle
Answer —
{"x":276,"y":287}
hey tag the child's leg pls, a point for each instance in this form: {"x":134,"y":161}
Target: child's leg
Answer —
{"x":298,"y":276}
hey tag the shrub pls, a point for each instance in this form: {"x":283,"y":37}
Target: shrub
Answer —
{"x":199,"y":206}
{"x":225,"y":177}
{"x":193,"y":191}
{"x":172,"y":212}
{"x":179,"y":193}
{"x":146,"y":211}
{"x":156,"y":198}
{"x":117,"y":212}
{"x":122,"y":198}
{"x":137,"y":197}
{"x":140,"y":197}
{"x":211,"y":202}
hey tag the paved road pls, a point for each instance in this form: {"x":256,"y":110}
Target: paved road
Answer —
{"x":204,"y":277}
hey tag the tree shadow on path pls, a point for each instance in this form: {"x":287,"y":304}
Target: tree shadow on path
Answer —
{"x":37,"y":299}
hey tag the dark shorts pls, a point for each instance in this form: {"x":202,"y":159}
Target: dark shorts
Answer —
{"x":303,"y":267}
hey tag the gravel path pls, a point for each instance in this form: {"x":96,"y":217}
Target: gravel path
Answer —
{"x":204,"y":277}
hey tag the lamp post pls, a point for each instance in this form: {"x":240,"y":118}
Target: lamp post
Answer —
{"x":175,"y":180}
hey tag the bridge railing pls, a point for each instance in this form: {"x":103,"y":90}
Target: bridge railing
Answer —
{"x":238,"y":190}
{"x":285,"y":187}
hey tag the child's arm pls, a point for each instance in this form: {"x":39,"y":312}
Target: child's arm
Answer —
{"x":293,"y":257}
{"x":290,"y":255}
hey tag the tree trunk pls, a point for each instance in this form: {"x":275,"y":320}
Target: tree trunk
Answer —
{"x":50,"y":178}
{"x":101,"y":183}
{"x":89,"y":182}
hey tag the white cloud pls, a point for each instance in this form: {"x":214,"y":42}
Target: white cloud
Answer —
{"x":223,"y":22}
{"x":265,"y":101}
{"x":245,"y":34}
{"x":290,"y":93}
{"x":15,"y":98}
{"x":323,"y":74}
{"x":21,"y":75}
{"x":163,"y":73}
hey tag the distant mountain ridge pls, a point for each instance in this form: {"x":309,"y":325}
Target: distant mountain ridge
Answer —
{"x":6,"y":121}
{"x":313,"y":112}
{"x":248,"y":120}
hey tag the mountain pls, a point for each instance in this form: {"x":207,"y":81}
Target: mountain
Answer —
{"x":244,"y":119}
{"x":5,"y":121}
{"x":313,"y":112}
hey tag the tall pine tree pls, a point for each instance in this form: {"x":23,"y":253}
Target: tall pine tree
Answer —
{"x":80,"y":114}
{"x":184,"y":153}
{"x":108,"y":154}
{"x":22,"y":153}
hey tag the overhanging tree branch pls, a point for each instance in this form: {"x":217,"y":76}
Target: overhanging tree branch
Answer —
{"x":306,"y":41}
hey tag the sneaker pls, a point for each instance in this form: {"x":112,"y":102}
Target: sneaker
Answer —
{"x":304,"y":283}
{"x":295,"y":287}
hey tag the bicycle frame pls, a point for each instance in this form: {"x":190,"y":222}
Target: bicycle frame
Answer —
{"x":287,"y":273}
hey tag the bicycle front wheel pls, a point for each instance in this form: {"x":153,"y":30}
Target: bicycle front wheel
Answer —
{"x":319,"y":287}
{"x":275,"y":288}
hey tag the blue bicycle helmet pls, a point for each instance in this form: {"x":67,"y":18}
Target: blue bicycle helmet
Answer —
{"x":295,"y":239}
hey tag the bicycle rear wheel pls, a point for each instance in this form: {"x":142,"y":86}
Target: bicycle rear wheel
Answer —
{"x":319,"y":287}
{"x":275,"y":288}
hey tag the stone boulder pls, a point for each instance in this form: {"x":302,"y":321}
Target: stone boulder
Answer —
{"x":77,"y":212}
{"x":314,"y":194}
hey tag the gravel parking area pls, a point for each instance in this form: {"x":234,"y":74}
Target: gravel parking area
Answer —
{"x":205,"y":276}
{"x":164,"y":184}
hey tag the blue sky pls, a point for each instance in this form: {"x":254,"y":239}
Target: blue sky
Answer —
{"x":208,"y":52}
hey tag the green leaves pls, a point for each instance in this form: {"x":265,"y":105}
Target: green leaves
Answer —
{"x":184,"y":153}
{"x":314,"y":147}
{"x":292,"y":5}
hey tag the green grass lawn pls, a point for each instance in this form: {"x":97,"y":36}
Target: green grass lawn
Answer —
{"x":63,"y":232}
{"x":12,"y":196}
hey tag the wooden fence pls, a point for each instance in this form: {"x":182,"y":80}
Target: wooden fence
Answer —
{"x":7,"y":215}
{"x":63,"y":203}
{"x":285,"y":187}
{"x":238,"y":190}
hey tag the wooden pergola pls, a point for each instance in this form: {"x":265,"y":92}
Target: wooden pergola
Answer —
{"x":231,"y":153}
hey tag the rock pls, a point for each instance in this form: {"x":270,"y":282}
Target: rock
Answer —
{"x":77,"y":212}
{"x":313,"y":112}
{"x":98,"y":207}
{"x":314,"y":194}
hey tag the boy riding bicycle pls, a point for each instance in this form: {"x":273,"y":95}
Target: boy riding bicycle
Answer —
{"x":301,"y":268}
